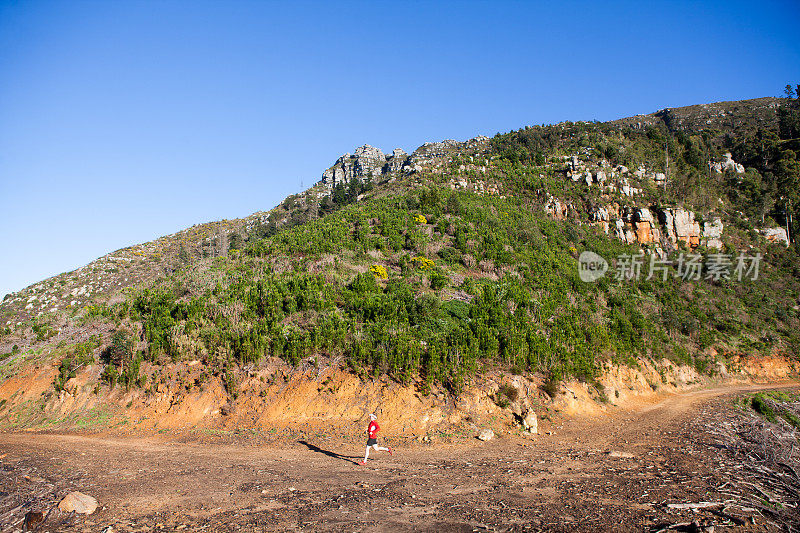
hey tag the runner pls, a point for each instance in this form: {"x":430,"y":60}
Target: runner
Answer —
{"x":372,"y":433}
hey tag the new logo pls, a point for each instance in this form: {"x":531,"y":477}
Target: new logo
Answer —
{"x":591,"y":266}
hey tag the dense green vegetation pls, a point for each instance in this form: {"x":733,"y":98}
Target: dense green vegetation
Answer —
{"x":484,"y":281}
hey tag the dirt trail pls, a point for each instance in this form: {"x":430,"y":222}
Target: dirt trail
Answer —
{"x":561,"y":482}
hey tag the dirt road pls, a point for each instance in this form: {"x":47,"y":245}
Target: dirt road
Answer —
{"x":567,"y":481}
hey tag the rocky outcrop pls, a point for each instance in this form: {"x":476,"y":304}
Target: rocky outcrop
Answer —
{"x":777,"y":235}
{"x":556,"y":208}
{"x":369,"y":162}
{"x":712,"y":234}
{"x":727,"y":164}
{"x":530,"y":422}
{"x":396,"y":161}
{"x":664,"y":228}
{"x":434,"y":150}
{"x":601,"y":174}
{"x":485,"y":435}
{"x":647,"y":230}
{"x":681,"y":226}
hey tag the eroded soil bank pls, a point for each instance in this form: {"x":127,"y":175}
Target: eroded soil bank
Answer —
{"x":664,"y":454}
{"x":275,"y":400}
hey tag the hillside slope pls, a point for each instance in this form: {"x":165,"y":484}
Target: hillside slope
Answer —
{"x":423,"y":274}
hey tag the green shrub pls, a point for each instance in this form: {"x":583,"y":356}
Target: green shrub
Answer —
{"x":77,"y":356}
{"x":760,"y":406}
{"x":552,"y":383}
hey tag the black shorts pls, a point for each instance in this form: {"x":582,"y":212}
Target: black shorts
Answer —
{"x":372,"y":442}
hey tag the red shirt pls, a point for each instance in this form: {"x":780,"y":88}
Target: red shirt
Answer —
{"x":373,"y":429}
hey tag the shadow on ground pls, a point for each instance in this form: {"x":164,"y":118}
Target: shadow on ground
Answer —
{"x":347,"y":458}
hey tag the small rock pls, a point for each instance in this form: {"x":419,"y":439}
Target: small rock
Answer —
{"x":225,"y":410}
{"x":620,"y":455}
{"x":32,"y":520}
{"x":486,"y":435}
{"x":79,"y":503}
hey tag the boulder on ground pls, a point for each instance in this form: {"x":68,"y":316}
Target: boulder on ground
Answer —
{"x":531,"y":423}
{"x":486,"y":434}
{"x":78,"y":502}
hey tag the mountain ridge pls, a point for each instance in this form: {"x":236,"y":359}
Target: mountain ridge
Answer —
{"x":711,"y":110}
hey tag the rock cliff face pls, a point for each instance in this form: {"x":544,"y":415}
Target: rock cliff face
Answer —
{"x":776,"y":235}
{"x":369,"y":162}
{"x":664,"y":228}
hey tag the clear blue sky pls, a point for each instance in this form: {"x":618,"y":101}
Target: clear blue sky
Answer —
{"x":124,"y":121}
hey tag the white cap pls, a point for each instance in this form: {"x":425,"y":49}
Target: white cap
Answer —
{"x":372,"y":417}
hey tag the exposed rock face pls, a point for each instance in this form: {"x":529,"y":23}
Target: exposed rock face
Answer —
{"x":396,"y":160}
{"x":776,"y":235}
{"x":646,"y":227}
{"x":712,"y":234}
{"x":601,"y":217}
{"x":367,"y":162}
{"x":616,"y":454}
{"x":681,"y":226}
{"x":727,"y":164}
{"x":619,"y":230}
{"x":556,"y":209}
{"x":667,"y":227}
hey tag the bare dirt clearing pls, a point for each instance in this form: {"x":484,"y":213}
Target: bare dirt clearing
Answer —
{"x":669,"y":453}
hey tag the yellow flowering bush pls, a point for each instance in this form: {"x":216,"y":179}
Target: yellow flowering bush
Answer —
{"x":379,"y":271}
{"x":420,"y":219}
{"x":423,"y":263}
